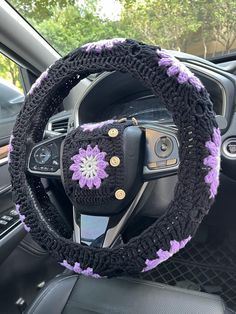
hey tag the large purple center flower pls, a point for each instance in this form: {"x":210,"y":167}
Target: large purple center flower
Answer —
{"x":89,"y":167}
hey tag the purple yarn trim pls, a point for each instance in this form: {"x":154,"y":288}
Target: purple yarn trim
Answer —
{"x":89,"y":167}
{"x":176,"y":68}
{"x":92,"y":126}
{"x":77,"y":269}
{"x":162,"y":255}
{"x":10,"y":148}
{"x":101,"y":44}
{"x":22,"y":218}
{"x":37,"y":83}
{"x":213,"y":162}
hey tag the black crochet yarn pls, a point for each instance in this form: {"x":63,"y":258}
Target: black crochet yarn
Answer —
{"x":199,"y":138}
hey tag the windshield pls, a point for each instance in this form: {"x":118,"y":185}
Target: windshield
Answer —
{"x":206,"y":28}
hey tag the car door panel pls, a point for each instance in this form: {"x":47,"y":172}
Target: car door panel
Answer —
{"x":11,"y":100}
{"x":11,"y":230}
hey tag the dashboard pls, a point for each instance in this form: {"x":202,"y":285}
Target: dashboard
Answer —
{"x":117,"y":95}
{"x":148,"y":108}
{"x":151,"y":107}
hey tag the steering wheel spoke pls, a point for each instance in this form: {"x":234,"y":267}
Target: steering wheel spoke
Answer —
{"x":103,"y":231}
{"x":162,"y":152}
{"x":44,"y":158}
{"x":116,"y":224}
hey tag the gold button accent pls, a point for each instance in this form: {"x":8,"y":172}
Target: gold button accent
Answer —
{"x":120,"y":194}
{"x":114,"y":161}
{"x":171,"y":162}
{"x":152,"y":165}
{"x":135,"y":121}
{"x":122,"y":120}
{"x":113,"y":132}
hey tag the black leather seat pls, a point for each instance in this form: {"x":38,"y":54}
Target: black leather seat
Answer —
{"x":72,"y":294}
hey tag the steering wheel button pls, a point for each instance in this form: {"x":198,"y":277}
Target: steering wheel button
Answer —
{"x":54,"y":150}
{"x":113,"y":132}
{"x":120,"y":194}
{"x":164,"y":147}
{"x":171,"y":162}
{"x":55,"y":163}
{"x":229,"y":147}
{"x":161,"y":164}
{"x":232,"y":148}
{"x":115,"y":161}
{"x":152,"y":165}
{"x":13,"y":212}
{"x":42,"y":155}
{"x":7,"y":218}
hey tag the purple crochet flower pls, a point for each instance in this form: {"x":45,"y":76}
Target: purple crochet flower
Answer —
{"x":89,"y":167}
{"x":213,"y":162}
{"x":10,"y":148}
{"x":22,"y":218}
{"x":101,"y":44}
{"x":176,"y":68}
{"x":92,"y":126}
{"x":77,"y":269}
{"x":37,"y":83}
{"x":162,"y":255}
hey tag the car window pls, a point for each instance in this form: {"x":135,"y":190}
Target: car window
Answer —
{"x":206,"y":28}
{"x":11,"y":94}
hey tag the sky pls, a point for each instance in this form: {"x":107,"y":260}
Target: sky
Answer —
{"x":110,"y":9}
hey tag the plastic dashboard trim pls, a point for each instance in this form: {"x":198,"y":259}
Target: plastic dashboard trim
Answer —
{"x":221,"y":78}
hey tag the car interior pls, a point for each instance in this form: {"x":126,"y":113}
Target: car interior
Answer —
{"x":201,"y":277}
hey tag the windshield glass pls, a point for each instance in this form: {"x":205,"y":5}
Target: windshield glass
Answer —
{"x":206,"y":28}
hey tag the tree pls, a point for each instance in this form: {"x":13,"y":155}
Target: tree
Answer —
{"x":40,"y":9}
{"x":68,"y":24}
{"x":203,"y":11}
{"x":224,"y":17}
{"x":70,"y":27}
{"x":173,"y":24}
{"x":9,"y":71}
{"x":167,"y":23}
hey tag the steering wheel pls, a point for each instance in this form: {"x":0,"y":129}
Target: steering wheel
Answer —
{"x":105,"y":166}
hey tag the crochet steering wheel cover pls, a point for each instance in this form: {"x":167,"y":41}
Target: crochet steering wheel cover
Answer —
{"x":198,"y":176}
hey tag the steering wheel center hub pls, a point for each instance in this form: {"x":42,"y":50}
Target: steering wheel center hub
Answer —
{"x":96,"y":165}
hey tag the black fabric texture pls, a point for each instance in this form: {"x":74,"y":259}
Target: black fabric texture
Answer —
{"x":192,"y":197}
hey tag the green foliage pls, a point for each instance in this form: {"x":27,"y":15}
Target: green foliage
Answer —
{"x":224,"y":22}
{"x":70,"y":27}
{"x":173,"y":24}
{"x":168,"y":23}
{"x":39,"y":9}
{"x":9,"y":71}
